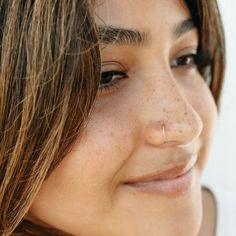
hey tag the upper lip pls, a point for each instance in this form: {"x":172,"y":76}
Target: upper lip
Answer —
{"x":169,"y":173}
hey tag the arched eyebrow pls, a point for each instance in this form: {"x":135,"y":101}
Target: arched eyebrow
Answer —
{"x":111,"y":34}
{"x":122,"y":36}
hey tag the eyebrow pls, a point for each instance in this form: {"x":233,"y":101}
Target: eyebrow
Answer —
{"x":183,"y":28}
{"x":111,"y":34}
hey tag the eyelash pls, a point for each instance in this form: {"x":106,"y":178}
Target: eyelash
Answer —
{"x":197,"y":59}
{"x":120,"y":75}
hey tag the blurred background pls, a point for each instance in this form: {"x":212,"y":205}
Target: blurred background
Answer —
{"x":221,"y":169}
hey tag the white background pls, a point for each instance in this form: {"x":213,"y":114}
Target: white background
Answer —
{"x":221,"y":168}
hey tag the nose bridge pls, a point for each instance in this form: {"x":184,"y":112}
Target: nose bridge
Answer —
{"x":172,"y":118}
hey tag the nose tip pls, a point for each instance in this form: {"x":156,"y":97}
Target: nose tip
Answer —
{"x":174,"y":131}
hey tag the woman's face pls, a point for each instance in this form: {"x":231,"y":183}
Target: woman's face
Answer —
{"x":152,"y":121}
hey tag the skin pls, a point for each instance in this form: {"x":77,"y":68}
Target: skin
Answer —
{"x":86,"y":195}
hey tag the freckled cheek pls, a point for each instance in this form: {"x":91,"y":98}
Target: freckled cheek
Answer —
{"x":206,"y":108}
{"x":109,"y":142}
{"x":202,"y":101}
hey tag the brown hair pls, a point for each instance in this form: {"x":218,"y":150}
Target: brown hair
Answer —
{"x":49,"y":75}
{"x":207,"y":18}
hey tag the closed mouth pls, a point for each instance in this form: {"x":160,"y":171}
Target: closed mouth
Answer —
{"x":170,"y":173}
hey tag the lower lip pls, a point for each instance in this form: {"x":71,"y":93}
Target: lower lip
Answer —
{"x":173,"y":186}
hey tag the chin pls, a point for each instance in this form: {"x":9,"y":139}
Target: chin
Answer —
{"x":154,"y":216}
{"x":187,"y":220}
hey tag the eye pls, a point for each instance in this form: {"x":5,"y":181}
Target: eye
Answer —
{"x":191,"y":60}
{"x":187,"y":61}
{"x":111,"y":76}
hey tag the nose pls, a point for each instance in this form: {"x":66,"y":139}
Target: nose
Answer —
{"x":172,"y":120}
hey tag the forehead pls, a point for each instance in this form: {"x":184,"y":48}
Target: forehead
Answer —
{"x":141,"y":13}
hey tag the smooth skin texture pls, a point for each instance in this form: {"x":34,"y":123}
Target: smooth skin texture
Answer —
{"x":87,"y":195}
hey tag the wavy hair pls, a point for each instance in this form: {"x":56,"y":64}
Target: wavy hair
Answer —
{"x":49,"y":75}
{"x":207,"y":18}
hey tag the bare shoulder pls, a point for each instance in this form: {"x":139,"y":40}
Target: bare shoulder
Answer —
{"x":209,"y":219}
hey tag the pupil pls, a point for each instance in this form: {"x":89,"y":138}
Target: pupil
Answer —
{"x":107,"y":77}
{"x":185,"y":60}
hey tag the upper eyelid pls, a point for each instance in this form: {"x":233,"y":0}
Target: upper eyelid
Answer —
{"x":114,"y":65}
{"x":108,"y":62}
{"x":186,"y":50}
{"x":111,"y":62}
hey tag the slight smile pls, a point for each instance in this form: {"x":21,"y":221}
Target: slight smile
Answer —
{"x":173,"y":181}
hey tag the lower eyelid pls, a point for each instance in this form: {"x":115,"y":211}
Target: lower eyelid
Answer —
{"x":106,"y":90}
